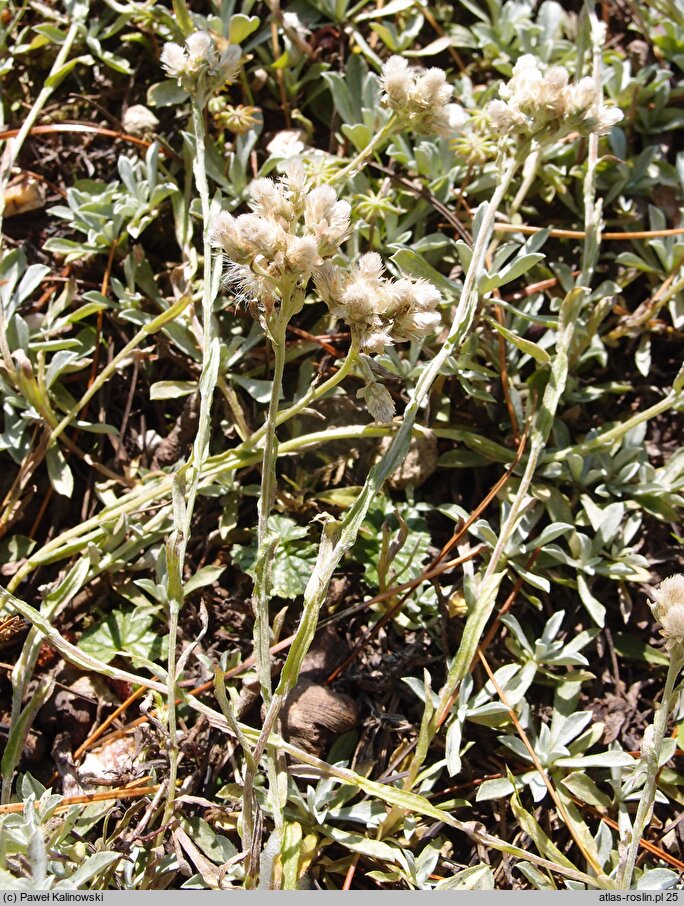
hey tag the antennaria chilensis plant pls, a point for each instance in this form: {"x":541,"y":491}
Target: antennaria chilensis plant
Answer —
{"x":445,"y":240}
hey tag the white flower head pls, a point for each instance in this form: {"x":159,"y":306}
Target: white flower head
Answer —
{"x":226,"y":234}
{"x":584,"y":94}
{"x":379,"y":311}
{"x":174,"y":60}
{"x":200,"y":51}
{"x":330,"y":281}
{"x":421,"y":98}
{"x":295,"y":180}
{"x":274,"y":251}
{"x":668,"y":608}
{"x":302,"y":254}
{"x":326,"y":218}
{"x":198,"y":66}
{"x":606,"y":118}
{"x":287,"y":143}
{"x":536,"y":103}
{"x":397,"y":81}
{"x":265,"y":197}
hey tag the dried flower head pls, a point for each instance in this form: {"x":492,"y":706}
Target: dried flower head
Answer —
{"x":198,"y":66}
{"x":668,"y":608}
{"x":421,"y":98}
{"x":535,"y":102}
{"x":291,"y":231}
{"x":379,"y":311}
{"x":378,"y":401}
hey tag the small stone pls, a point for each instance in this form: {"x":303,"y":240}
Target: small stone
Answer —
{"x":138,"y":120}
{"x":326,"y":652}
{"x":314,"y":716}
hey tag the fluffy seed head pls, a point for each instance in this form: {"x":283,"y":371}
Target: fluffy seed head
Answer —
{"x":302,"y":254}
{"x":264,"y":197}
{"x":284,"y":240}
{"x":379,"y":311}
{"x":668,"y":608}
{"x":396,"y":80}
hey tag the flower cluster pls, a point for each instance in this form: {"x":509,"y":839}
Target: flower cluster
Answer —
{"x":421,"y":98}
{"x":198,"y":66}
{"x":668,"y":608}
{"x":533,"y":102}
{"x":291,"y":230}
{"x":379,"y":311}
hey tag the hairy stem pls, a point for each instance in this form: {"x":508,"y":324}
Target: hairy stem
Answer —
{"x":187,"y":479}
{"x":651,"y":762}
{"x":262,"y":588}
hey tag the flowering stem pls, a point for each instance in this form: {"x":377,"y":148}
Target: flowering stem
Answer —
{"x":353,"y":167}
{"x":593,"y":208}
{"x":267,"y":542}
{"x":529,"y":174}
{"x":337,"y":538}
{"x":277,"y":330}
{"x":185,"y":483}
{"x":650,"y":759}
{"x":267,"y":433}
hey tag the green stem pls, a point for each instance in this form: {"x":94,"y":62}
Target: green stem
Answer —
{"x":651,"y":759}
{"x":529,"y":173}
{"x":183,"y":508}
{"x":355,"y":165}
{"x":605,"y":438}
{"x":593,"y":208}
{"x":316,"y":393}
{"x":266,"y":545}
{"x":495,"y":571}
